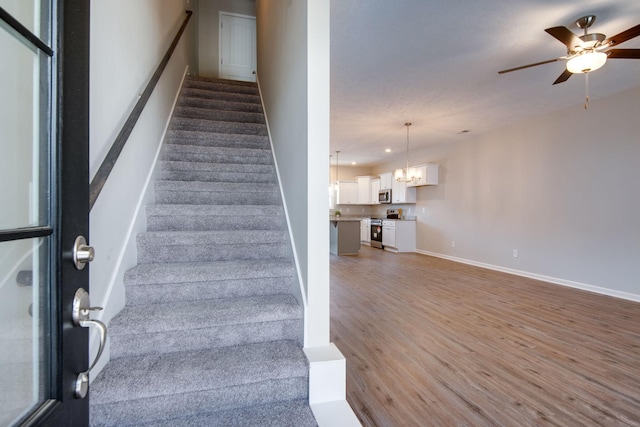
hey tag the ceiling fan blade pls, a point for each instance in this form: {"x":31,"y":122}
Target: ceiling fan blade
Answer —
{"x":530,"y":65}
{"x":624,"y":53}
{"x":623,"y":36}
{"x":566,"y":36}
{"x":563,"y":77}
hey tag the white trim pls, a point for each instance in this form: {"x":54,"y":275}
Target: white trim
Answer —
{"x":554,"y":280}
{"x":117,"y":275}
{"x":286,"y":213}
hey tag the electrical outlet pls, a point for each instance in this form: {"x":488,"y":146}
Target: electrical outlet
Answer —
{"x":453,"y":243}
{"x":515,"y":253}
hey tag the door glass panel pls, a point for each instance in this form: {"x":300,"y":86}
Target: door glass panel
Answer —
{"x":24,"y":142}
{"x":24,"y":331}
{"x":25,"y":11}
{"x":26,"y":279}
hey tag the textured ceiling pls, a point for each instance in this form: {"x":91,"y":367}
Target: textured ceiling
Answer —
{"x":435,"y":63}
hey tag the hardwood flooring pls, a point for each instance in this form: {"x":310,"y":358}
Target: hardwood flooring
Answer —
{"x":430,"y":342}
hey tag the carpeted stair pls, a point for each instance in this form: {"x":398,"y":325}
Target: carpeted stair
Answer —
{"x":210,"y":334}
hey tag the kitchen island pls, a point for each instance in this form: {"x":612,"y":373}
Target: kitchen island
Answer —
{"x":344,"y":236}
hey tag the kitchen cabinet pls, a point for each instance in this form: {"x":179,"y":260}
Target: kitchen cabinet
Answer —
{"x":344,"y":237}
{"x":365,"y":231}
{"x":347,"y":193}
{"x":375,"y":187}
{"x":386,"y":180}
{"x":430,"y":172}
{"x":401,"y":193}
{"x":399,"y":235}
{"x":364,"y":190}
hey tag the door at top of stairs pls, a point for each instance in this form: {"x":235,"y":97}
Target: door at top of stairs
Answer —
{"x":237,"y":47}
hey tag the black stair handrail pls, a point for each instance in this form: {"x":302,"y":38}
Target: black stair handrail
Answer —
{"x":100,"y":178}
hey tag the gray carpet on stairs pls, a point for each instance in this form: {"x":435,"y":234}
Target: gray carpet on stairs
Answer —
{"x":211,"y":333}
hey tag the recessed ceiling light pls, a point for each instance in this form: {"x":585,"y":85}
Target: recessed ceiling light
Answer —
{"x":353,"y":163}
{"x":388,"y":150}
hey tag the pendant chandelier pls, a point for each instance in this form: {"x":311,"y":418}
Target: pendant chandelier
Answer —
{"x":408,"y":174}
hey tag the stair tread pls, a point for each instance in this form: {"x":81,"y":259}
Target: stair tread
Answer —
{"x":250,"y":152}
{"x":215,"y":210}
{"x":177,"y":165}
{"x":232,"y":187}
{"x":145,"y":376}
{"x":203,"y":314}
{"x":189,"y":272}
{"x":193,"y":112}
{"x":293,"y":413}
{"x":212,"y":237}
{"x":213,"y":407}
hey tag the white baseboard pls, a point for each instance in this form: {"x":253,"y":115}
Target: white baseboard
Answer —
{"x":127,"y":255}
{"x":550,"y":279}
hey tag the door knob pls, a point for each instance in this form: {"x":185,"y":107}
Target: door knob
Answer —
{"x":82,"y":253}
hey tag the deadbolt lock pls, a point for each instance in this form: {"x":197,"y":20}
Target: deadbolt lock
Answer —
{"x":82,"y":253}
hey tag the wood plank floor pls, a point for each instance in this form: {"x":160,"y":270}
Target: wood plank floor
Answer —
{"x":430,"y":342}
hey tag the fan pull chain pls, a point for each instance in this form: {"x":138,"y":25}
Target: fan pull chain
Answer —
{"x":586,"y":90}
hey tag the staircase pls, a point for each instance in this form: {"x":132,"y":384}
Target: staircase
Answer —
{"x":210,"y":334}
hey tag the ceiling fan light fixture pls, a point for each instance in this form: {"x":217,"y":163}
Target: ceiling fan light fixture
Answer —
{"x":586,"y":61}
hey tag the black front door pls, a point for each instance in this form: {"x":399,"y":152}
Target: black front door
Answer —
{"x":44,"y":144}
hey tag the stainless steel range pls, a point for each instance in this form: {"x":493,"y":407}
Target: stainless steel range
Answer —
{"x":376,"y":233}
{"x":376,"y":227}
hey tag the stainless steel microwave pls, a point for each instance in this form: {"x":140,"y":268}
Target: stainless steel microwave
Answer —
{"x":384,"y":195}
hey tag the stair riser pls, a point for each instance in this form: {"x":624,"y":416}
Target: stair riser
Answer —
{"x":219,"y":104}
{"x":179,"y":123}
{"x":212,"y":139}
{"x":129,"y":412}
{"x":237,"y":117}
{"x":251,"y":101}
{"x":173,"y":155}
{"x":207,"y":176}
{"x":200,"y":253}
{"x":165,"y":165}
{"x":215,"y":197}
{"x":219,"y":88}
{"x":190,"y":291}
{"x":200,"y":339}
{"x":212,"y":223}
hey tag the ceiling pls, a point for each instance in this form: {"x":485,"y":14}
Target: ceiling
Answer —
{"x":435,"y":63}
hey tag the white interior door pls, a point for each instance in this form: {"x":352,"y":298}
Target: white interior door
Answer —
{"x":237,"y":47}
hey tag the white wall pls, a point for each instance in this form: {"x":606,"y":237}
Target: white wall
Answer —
{"x":293,"y":73}
{"x":128,"y":41}
{"x":561,"y":189}
{"x":208,"y":30}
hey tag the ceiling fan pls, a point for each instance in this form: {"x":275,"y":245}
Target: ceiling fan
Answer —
{"x":587,"y":52}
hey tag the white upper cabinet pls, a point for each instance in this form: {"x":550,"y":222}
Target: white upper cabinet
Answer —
{"x":401,"y":193}
{"x":386,"y":180}
{"x":375,"y":188}
{"x":429,"y":176}
{"x":347,"y":193}
{"x":364,"y":190}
